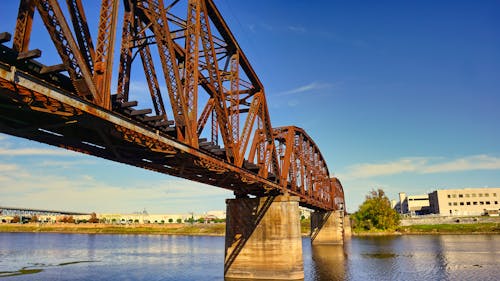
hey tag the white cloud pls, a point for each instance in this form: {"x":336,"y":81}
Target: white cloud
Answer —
{"x":421,"y":165}
{"x":313,"y":86}
{"x":298,"y":29}
{"x":367,"y":170}
{"x":35,"y":151}
{"x":39,"y":188}
{"x":8,"y":167}
{"x":64,"y":164}
{"x":475,"y":162}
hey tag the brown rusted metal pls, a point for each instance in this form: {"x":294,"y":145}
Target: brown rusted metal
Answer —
{"x":72,"y":57}
{"x":24,"y":25}
{"x":103,"y":61}
{"x":82,"y":33}
{"x":205,"y":71}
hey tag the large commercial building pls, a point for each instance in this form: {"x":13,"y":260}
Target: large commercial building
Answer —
{"x":413,"y":204}
{"x":465,"y":202}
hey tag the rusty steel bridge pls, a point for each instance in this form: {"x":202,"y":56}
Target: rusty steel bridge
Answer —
{"x":205,"y":117}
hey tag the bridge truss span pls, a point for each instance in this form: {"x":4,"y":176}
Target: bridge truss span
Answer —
{"x":198,"y":109}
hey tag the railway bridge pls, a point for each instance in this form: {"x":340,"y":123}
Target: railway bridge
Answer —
{"x":204,"y":118}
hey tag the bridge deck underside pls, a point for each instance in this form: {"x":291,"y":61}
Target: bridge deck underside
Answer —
{"x":48,"y":114}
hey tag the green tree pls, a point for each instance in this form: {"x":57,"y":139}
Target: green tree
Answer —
{"x":179,"y":220}
{"x":170,"y":220}
{"x":376,"y":213}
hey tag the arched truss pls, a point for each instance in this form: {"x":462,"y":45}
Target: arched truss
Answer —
{"x":338,"y":195}
{"x":200,"y":87}
{"x":302,"y":168}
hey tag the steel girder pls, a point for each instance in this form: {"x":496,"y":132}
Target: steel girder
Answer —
{"x":206,"y":75}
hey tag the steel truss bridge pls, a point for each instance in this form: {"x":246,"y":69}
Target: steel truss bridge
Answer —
{"x":204,"y":116}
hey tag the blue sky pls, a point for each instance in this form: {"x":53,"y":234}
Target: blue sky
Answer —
{"x":398,"y":95}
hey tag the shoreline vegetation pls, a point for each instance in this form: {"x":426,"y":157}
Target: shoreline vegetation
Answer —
{"x":436,"y":229}
{"x":218,"y":229}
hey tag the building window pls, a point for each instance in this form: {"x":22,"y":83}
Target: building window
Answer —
{"x":467,"y":195}
{"x":460,"y":196}
{"x":480,"y":195}
{"x":474,"y":203}
{"x":494,"y":195}
{"x":496,"y":202}
{"x":449,"y":203}
{"x":481,"y":203}
{"x":487,"y":202}
{"x":473,"y":194}
{"x":454,"y":203}
{"x":461,"y":203}
{"x":449,"y":196}
{"x":468,"y":203}
{"x":486,"y":195}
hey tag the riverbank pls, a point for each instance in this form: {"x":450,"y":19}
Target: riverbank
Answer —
{"x":218,"y":229}
{"x":478,"y":228}
{"x":170,"y":229}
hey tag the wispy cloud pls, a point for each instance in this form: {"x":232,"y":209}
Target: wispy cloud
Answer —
{"x":8,"y":167}
{"x":470,"y":163}
{"x":35,"y":151}
{"x":251,"y":27}
{"x":297,"y":28}
{"x":87,"y":193}
{"x":313,"y":86}
{"x":255,"y":27}
{"x":422,"y":165}
{"x":64,"y":164}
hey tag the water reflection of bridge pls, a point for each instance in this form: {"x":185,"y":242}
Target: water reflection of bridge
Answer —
{"x":206,"y":120}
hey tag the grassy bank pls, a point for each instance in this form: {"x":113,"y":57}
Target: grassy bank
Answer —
{"x":219,"y":229}
{"x":475,"y":228}
{"x":173,"y":229}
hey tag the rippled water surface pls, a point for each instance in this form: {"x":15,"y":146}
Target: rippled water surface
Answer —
{"x":46,"y":256}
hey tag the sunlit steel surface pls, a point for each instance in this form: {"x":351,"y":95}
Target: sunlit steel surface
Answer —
{"x":206,"y":79}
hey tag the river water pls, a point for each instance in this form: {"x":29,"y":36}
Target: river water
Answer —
{"x":49,"y":256}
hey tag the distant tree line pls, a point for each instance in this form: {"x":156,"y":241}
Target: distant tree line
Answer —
{"x":94,"y":219}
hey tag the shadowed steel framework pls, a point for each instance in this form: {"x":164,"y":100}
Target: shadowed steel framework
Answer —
{"x":205,"y":117}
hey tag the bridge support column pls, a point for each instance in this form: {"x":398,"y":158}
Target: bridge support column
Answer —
{"x":327,"y":227}
{"x":263,"y":238}
{"x":347,"y":227}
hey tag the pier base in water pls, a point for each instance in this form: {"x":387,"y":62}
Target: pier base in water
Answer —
{"x":347,"y":227}
{"x":263,"y":239}
{"x":327,"y":227}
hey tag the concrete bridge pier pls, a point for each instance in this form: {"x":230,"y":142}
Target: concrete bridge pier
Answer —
{"x":327,"y":227}
{"x":347,"y":227}
{"x":263,"y":239}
